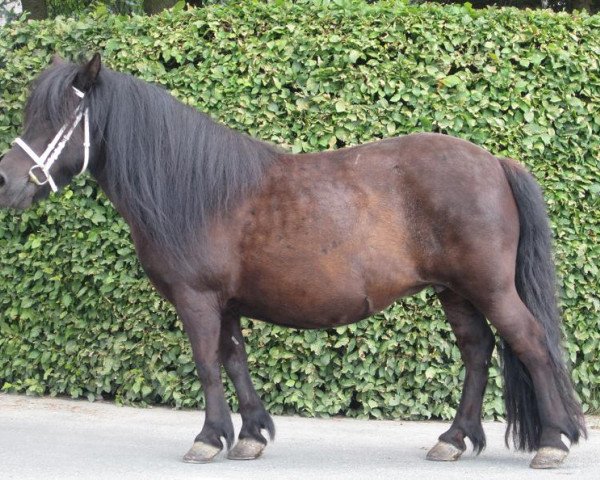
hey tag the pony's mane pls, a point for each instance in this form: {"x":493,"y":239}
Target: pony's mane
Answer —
{"x":171,"y":167}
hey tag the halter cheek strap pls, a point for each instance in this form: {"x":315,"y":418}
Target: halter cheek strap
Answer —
{"x":44,"y":162}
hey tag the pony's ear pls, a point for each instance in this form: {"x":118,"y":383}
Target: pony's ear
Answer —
{"x":88,"y":73}
{"x":57,"y":60}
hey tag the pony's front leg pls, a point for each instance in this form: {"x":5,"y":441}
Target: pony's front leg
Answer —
{"x":201,"y":317}
{"x":255,"y":418}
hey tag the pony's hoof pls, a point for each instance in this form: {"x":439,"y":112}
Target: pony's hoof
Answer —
{"x":548,"y":457}
{"x":201,"y":453}
{"x":246,"y":449}
{"x":444,"y":452}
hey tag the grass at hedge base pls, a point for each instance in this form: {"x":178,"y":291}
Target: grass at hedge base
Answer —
{"x":79,"y":318}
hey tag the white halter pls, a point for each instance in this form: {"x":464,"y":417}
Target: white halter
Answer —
{"x":56,"y":146}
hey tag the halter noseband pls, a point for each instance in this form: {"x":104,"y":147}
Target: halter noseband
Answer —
{"x":56,"y":146}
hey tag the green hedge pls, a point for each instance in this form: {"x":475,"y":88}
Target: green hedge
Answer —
{"x":79,"y":318}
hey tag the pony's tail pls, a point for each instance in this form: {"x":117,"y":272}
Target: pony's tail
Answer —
{"x":536,"y":284}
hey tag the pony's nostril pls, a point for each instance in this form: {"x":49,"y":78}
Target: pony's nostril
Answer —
{"x":2,"y":180}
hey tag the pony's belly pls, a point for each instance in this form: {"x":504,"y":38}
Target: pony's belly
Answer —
{"x":322,"y":305}
{"x":308,"y":316}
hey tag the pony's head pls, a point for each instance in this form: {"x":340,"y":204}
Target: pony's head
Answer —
{"x":55,"y":145}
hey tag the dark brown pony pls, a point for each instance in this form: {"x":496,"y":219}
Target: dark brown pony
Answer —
{"x":225,"y":226}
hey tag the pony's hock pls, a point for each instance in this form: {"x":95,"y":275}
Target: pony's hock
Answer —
{"x":227,"y":226}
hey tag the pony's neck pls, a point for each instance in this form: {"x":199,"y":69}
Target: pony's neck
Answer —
{"x":167,"y":167}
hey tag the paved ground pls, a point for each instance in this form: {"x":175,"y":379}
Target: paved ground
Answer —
{"x":63,"y":439}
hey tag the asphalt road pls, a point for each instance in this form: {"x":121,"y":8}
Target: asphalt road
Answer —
{"x":63,"y":439}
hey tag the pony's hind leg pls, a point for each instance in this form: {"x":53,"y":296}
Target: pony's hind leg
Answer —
{"x":255,"y":418}
{"x":539,"y":409}
{"x":476,"y":343}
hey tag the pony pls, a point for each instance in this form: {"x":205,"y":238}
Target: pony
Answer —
{"x":225,"y":226}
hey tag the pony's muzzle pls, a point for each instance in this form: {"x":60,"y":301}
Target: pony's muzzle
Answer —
{"x":14,"y":190}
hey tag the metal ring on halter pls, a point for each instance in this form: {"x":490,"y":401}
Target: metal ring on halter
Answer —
{"x":34,"y":178}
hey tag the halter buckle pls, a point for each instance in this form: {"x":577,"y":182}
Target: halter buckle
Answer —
{"x":35,"y":179}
